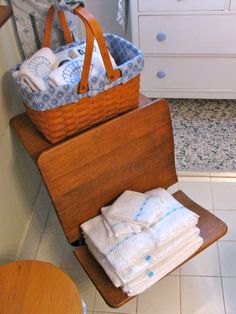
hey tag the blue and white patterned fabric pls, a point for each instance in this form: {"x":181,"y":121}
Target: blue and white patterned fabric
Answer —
{"x":128,"y":58}
{"x":30,"y":18}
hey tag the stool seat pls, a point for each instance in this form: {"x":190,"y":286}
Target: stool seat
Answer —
{"x":35,"y":287}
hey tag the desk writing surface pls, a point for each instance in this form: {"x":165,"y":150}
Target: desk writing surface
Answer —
{"x":30,"y":137}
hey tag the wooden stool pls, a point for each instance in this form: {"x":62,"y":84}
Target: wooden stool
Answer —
{"x":134,"y":151}
{"x":34,"y":287}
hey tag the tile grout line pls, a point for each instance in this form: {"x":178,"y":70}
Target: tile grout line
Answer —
{"x":137,"y":305}
{"x":29,"y":222}
{"x":94,"y":300}
{"x":180,"y":294}
{"x":221,"y":278}
{"x":211,"y":190}
{"x":62,"y":255}
{"x":44,"y":227}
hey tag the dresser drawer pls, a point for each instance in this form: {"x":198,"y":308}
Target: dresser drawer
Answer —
{"x":233,"y":5}
{"x":195,"y":34}
{"x":189,"y":73}
{"x":184,"y":5}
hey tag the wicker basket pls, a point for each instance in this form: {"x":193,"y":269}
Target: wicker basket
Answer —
{"x":64,"y":121}
{"x":68,"y":118}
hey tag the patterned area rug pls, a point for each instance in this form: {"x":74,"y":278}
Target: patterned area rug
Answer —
{"x":204,"y":134}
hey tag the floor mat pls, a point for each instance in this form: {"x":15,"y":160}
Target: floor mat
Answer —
{"x":204,"y":134}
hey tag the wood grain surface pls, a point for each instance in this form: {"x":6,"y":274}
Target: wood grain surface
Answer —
{"x":134,"y":151}
{"x":34,"y":287}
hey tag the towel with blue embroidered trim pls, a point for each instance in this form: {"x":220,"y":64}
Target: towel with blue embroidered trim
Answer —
{"x":116,"y":227}
{"x":155,"y":256}
{"x":134,"y":208}
{"x":127,"y":260}
{"x":123,"y":253}
{"x":159,"y":270}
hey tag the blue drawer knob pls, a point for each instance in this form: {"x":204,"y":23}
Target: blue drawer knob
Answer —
{"x":161,"y":74}
{"x":161,"y":36}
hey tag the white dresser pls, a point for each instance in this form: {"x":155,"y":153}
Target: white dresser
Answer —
{"x":189,"y":47}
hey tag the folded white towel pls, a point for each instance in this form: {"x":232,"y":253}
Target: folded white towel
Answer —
{"x":155,"y":273}
{"x":35,"y":70}
{"x":123,"y":253}
{"x":174,"y":222}
{"x":159,"y":254}
{"x":156,"y":255}
{"x":116,"y":227}
{"x":105,"y":265}
{"x":137,"y":208}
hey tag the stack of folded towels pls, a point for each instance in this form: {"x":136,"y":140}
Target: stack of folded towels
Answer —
{"x":46,"y":68}
{"x":142,"y":237}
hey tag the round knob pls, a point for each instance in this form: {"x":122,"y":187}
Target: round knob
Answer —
{"x":161,"y":74}
{"x":161,"y":36}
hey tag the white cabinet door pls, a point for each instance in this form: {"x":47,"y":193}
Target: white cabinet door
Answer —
{"x":181,"y":5}
{"x":188,"y":34}
{"x":189,"y":73}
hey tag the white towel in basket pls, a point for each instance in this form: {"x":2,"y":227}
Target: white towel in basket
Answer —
{"x":34,"y":71}
{"x":71,"y":63}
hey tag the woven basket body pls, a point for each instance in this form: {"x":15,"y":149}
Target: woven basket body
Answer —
{"x":61,"y":111}
{"x":62,"y":122}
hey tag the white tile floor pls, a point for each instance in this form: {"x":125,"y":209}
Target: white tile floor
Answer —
{"x":204,"y":285}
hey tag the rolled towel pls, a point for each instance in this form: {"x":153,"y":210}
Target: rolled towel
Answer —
{"x":79,"y":50}
{"x":136,"y":208}
{"x":161,"y":269}
{"x":70,"y":72}
{"x":156,"y":255}
{"x":35,"y":70}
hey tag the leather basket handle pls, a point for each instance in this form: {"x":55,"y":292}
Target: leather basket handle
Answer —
{"x":93,"y":31}
{"x":92,"y":26}
{"x":48,"y":26}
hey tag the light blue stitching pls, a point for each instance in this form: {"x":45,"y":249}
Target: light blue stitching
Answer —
{"x":170,"y":212}
{"x":133,"y":234}
{"x":140,"y":210}
{"x":149,"y":273}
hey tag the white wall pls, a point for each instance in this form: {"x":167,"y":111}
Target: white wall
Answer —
{"x":19,"y":180}
{"x":105,"y":12}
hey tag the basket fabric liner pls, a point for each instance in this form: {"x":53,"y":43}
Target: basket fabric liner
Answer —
{"x":128,"y":58}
